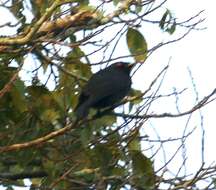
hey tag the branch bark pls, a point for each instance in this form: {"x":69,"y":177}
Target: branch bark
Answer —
{"x":199,"y":105}
{"x":19,"y":40}
{"x":38,"y":141}
{"x":23,"y":175}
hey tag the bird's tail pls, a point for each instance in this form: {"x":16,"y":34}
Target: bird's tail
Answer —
{"x":82,"y":110}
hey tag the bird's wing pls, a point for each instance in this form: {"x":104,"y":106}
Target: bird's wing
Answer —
{"x":82,"y":98}
{"x":105,"y":84}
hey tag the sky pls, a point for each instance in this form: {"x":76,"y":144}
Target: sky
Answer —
{"x":196,"y":52}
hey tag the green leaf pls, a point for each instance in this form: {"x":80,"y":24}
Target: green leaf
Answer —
{"x":135,"y":93}
{"x":137,"y":45}
{"x":167,"y":22}
{"x":87,"y":173}
{"x":74,"y":55}
{"x":17,"y":10}
{"x":119,"y":171}
{"x":104,"y":155}
{"x":143,"y":171}
{"x":171,"y":30}
{"x":105,"y":121}
{"x":164,"y":19}
{"x":83,"y":2}
{"x":50,"y":115}
{"x":73,"y":64}
{"x":18,"y":95}
{"x":72,"y":38}
{"x":115,"y":2}
{"x":86,"y":135}
{"x":37,"y":91}
{"x":139,"y":6}
{"x":214,"y":182}
{"x":134,"y":144}
{"x":39,"y":7}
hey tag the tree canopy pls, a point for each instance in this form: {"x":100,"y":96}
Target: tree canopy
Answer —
{"x":53,"y":47}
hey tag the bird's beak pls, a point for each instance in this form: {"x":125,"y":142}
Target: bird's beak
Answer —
{"x":130,"y":65}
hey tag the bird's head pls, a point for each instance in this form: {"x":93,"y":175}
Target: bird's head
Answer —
{"x":123,"y":66}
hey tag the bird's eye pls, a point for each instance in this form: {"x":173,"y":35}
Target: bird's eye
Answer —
{"x":120,"y":65}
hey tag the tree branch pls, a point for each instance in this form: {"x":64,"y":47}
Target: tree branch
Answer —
{"x":19,"y":40}
{"x":23,"y":175}
{"x":9,"y":85}
{"x":37,"y":141}
{"x":199,"y":105}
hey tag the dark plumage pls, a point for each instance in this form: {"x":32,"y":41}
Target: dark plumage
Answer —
{"x":104,"y":88}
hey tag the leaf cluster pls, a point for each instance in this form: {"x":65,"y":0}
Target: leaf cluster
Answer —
{"x":43,"y":68}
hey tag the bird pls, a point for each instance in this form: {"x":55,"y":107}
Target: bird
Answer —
{"x":105,"y":88}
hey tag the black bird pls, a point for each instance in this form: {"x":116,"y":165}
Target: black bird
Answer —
{"x":105,"y":88}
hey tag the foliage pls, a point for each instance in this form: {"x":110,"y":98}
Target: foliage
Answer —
{"x":40,"y":138}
